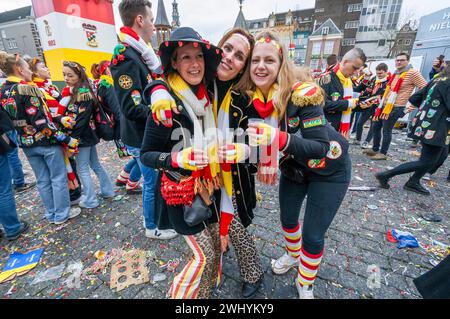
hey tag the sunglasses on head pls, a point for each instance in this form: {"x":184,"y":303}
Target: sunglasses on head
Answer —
{"x":71,"y":64}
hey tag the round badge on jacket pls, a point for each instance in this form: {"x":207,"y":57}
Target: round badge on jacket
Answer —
{"x":125,"y":82}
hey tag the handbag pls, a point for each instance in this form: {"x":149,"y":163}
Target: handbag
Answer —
{"x":198,"y":212}
{"x":291,"y":170}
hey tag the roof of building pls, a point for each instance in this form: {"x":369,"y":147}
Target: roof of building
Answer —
{"x":240,"y":21}
{"x":16,"y":14}
{"x":161,"y":15}
{"x":333,"y":29}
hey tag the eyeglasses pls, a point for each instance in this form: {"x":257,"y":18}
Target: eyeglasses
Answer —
{"x":402,"y":60}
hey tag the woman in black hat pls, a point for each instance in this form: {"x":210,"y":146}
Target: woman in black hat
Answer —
{"x":238,"y":194}
{"x":187,"y":182}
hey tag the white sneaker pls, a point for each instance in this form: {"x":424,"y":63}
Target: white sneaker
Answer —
{"x":74,"y":212}
{"x":305,"y":292}
{"x":284,"y":263}
{"x":427,"y":177}
{"x":365,"y":145}
{"x":75,"y":202}
{"x":160,"y":234}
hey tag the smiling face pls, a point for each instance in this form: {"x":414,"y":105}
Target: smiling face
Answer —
{"x":236,"y":50}
{"x":189,"y":63}
{"x":265,"y":65}
{"x":70,"y":77}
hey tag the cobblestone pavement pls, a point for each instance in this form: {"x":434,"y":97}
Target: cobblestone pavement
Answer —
{"x":355,"y":242}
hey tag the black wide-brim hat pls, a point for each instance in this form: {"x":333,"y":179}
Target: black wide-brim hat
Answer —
{"x":185,"y":35}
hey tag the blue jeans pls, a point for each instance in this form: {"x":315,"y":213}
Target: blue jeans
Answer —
{"x":49,"y":168}
{"x":8,"y":214}
{"x":15,"y":165}
{"x":87,"y":157}
{"x":148,"y":188}
{"x":132,"y":167}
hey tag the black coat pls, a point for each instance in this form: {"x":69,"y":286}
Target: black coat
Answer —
{"x":26,"y":107}
{"x":316,"y":146}
{"x":81,"y":109}
{"x":130,"y":78}
{"x":6,"y":125}
{"x":432,"y":122}
{"x":108,"y":98}
{"x":334,"y":97}
{"x":156,"y":151}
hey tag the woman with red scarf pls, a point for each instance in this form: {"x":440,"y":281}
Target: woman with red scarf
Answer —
{"x":104,"y":87}
{"x":52,"y":96}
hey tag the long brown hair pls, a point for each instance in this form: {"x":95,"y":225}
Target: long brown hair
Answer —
{"x":241,"y":85}
{"x":83,"y":81}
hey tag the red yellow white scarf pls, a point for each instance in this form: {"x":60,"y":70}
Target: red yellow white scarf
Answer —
{"x":347,"y":83}
{"x":390,"y":95}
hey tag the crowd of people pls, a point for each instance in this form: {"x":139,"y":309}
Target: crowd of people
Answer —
{"x":199,"y":123}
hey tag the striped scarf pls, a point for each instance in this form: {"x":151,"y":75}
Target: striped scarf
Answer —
{"x":205,"y":131}
{"x":130,"y":37}
{"x":268,"y":165}
{"x":50,"y":95}
{"x":344,"y":127}
{"x":390,"y":95}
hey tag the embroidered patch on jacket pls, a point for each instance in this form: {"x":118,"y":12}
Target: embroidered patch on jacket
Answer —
{"x":414,"y":121}
{"x":35,"y":101}
{"x":72,"y":108}
{"x":335,"y":150}
{"x":435,"y":103}
{"x":431,"y":113}
{"x":27,"y":140}
{"x":47,"y":132}
{"x":315,"y":121}
{"x":422,"y":115}
{"x":31,"y":111}
{"x":418,"y":131}
{"x":40,"y":122}
{"x":125,"y":82}
{"x":149,"y":78}
{"x":335,"y":96}
{"x":429,"y":134}
{"x":136,"y":97}
{"x":425,"y":124}
{"x":316,"y":163}
{"x":29,"y":130}
{"x":81,"y":109}
{"x":293,"y":122}
{"x":39,"y":136}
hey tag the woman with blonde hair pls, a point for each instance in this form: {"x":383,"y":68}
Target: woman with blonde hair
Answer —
{"x":315,"y":164}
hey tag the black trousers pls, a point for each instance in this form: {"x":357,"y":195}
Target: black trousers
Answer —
{"x":387,"y":126}
{"x":429,"y":161}
{"x":322,"y":204}
{"x":441,"y":161}
{"x":363,"y":118}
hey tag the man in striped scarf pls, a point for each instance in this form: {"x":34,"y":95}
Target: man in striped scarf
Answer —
{"x":391,"y":108}
{"x":340,"y":93}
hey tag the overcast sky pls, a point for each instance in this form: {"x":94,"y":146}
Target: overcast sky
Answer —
{"x":212,"y":18}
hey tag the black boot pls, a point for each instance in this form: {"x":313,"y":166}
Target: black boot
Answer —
{"x":249,"y":290}
{"x":416,"y":187}
{"x":383,"y":180}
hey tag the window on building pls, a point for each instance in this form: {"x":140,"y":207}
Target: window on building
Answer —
{"x":319,"y":10}
{"x":381,"y":42}
{"x":351,"y":25}
{"x":357,"y":7}
{"x":329,"y":46}
{"x":400,"y":41}
{"x":12,"y":44}
{"x":348,"y":42}
{"x":325,"y":30}
{"x":317,"y":47}
{"x":408,"y":42}
{"x":3,"y":34}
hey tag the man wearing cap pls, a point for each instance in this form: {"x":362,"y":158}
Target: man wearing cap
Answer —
{"x":133,"y":66}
